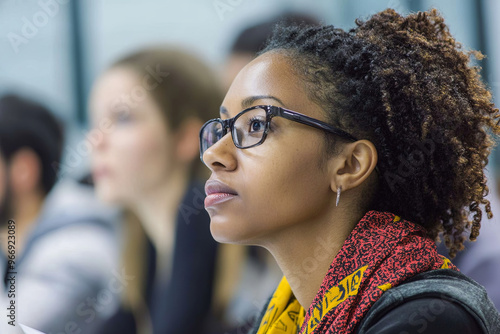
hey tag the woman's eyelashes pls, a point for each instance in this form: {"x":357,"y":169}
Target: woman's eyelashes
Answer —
{"x":256,"y":125}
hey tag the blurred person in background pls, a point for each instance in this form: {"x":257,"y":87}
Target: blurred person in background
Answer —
{"x":152,"y":104}
{"x":252,"y":39}
{"x":63,"y":241}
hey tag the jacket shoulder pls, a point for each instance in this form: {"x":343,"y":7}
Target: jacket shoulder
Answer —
{"x":446,"y":284}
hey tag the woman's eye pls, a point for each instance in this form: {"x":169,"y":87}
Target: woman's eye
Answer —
{"x":123,"y":117}
{"x":257,"y":125}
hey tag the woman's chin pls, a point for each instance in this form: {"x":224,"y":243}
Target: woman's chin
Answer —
{"x":229,"y":232}
{"x":108,"y":196}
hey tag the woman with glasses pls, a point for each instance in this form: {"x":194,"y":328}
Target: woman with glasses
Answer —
{"x":346,"y":155}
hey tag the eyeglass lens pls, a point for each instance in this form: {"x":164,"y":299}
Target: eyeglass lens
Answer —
{"x":248,"y":129}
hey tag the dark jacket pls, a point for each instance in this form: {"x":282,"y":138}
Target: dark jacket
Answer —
{"x":449,"y":286}
{"x":181,"y":305}
{"x":442,"y":285}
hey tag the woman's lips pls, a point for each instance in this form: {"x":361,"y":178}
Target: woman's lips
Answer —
{"x":218,"y":192}
{"x":217,"y":198}
{"x":100,"y":173}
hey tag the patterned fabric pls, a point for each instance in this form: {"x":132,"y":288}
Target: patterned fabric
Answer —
{"x":381,"y":252}
{"x":285,"y":315}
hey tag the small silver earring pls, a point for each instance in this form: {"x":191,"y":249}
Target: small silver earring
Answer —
{"x":339,"y":190}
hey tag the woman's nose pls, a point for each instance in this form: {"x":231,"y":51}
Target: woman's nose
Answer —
{"x":221,"y":155}
{"x":97,"y":138}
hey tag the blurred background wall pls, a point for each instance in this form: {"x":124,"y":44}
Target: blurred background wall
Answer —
{"x":52,"y":50}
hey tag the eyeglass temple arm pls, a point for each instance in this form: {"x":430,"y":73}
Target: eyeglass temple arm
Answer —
{"x":301,"y":118}
{"x":297,"y":117}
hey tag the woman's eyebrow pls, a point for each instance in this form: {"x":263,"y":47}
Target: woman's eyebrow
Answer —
{"x":247,"y":102}
{"x":223,"y":111}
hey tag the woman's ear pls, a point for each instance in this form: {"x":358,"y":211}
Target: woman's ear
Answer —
{"x":353,"y":165}
{"x":187,"y":140}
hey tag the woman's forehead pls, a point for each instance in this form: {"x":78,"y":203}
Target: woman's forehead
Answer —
{"x":269,"y":75}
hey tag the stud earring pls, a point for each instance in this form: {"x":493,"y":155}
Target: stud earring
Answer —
{"x":339,"y":190}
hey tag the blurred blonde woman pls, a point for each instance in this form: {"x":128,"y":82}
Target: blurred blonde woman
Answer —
{"x":150,"y":106}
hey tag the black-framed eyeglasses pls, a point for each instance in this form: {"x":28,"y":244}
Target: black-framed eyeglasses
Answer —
{"x":250,"y":127}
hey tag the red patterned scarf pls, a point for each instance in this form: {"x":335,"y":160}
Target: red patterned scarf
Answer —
{"x":380,"y":253}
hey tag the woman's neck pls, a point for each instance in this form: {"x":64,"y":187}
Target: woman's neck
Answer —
{"x":157,"y":212}
{"x":305,"y":252}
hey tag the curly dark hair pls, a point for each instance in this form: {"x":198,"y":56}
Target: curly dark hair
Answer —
{"x":406,"y":85}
